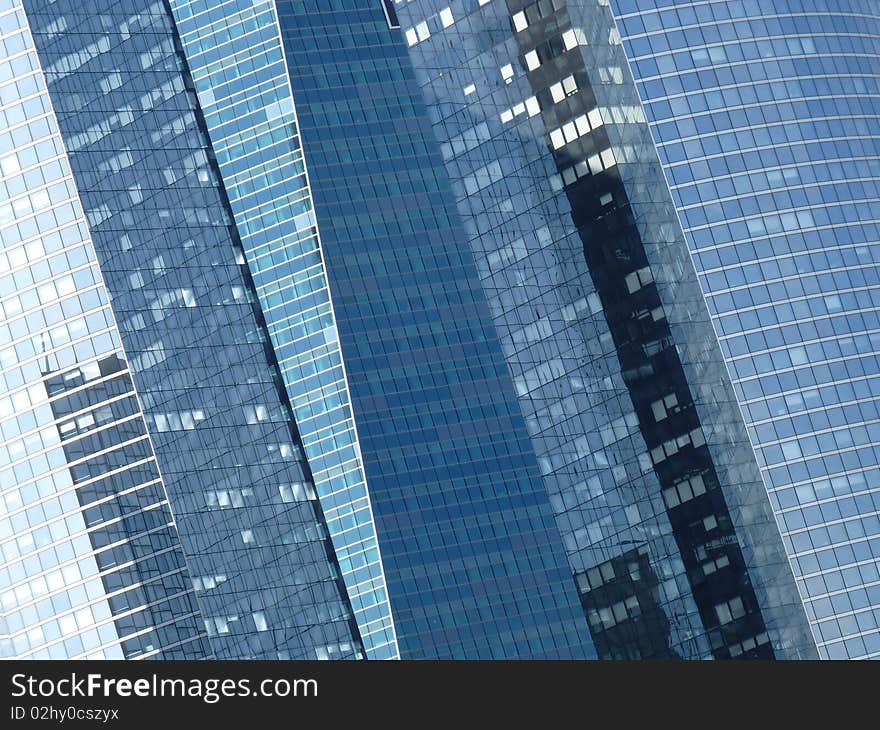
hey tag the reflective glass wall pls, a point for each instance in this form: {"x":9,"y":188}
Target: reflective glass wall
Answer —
{"x":765,"y":117}
{"x":261,"y":562}
{"x":91,"y":564}
{"x":235,"y":54}
{"x":651,"y":475}
{"x":473,"y":559}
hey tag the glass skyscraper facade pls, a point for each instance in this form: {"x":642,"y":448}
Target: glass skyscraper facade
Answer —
{"x":438,"y":329}
{"x":657,"y":493}
{"x":234,"y":296}
{"x":765,"y":118}
{"x":244,"y":568}
{"x":235,"y":54}
{"x":92,"y":561}
{"x":473,"y":559}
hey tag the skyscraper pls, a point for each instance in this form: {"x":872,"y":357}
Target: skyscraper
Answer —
{"x":636,"y":427}
{"x":383,"y":330}
{"x":764,"y":116}
{"x":236,"y":57}
{"x":92,"y":561}
{"x":169,"y":503}
{"x":474,"y":560}
{"x":202,"y":229}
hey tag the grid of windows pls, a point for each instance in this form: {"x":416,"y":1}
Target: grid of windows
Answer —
{"x":555,"y":336}
{"x":168,"y":338}
{"x":235,"y":55}
{"x":90,"y":561}
{"x":249,"y":521}
{"x":535,"y":115}
{"x":765,"y":118}
{"x":473,"y":559}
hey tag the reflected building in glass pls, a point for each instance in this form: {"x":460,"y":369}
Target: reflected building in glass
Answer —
{"x":658,"y":495}
{"x":255,"y":496}
{"x":157,"y":500}
{"x":420,"y":329}
{"x":764,"y":115}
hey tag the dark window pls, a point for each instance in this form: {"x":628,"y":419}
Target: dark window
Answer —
{"x":390,"y":14}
